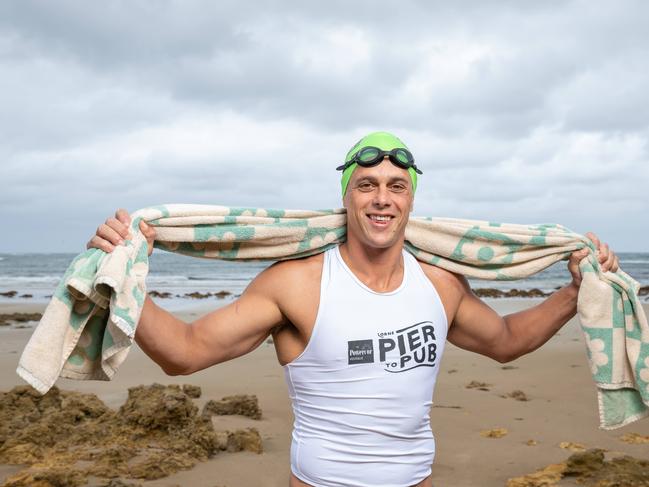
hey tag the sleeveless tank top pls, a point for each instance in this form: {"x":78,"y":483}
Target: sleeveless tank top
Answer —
{"x":362,"y":388}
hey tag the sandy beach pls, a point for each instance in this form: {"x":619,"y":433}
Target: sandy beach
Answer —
{"x":561,"y":406}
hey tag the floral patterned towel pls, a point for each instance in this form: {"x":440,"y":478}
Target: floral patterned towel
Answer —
{"x":88,"y":326}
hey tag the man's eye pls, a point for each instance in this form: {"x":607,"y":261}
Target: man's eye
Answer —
{"x":398,"y":188}
{"x":365,"y":186}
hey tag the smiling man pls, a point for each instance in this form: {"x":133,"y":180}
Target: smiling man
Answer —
{"x":359,"y":330}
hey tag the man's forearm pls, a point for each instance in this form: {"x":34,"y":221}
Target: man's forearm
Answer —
{"x":532,"y":327}
{"x":162,"y":337}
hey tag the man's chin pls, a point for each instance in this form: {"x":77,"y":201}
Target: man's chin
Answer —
{"x":369,"y":237}
{"x":380,"y":242}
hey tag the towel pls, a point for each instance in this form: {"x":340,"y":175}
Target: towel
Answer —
{"x":88,"y":326}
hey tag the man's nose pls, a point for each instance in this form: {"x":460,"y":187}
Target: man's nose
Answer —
{"x":382,"y":195}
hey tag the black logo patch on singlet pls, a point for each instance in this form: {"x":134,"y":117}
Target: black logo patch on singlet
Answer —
{"x":360,"y":352}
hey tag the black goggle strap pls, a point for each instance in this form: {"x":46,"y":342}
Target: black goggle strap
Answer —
{"x":380,"y":154}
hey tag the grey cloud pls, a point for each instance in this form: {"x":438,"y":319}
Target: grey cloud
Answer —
{"x":82,"y":83}
{"x":117,"y":34}
{"x":208,"y":53}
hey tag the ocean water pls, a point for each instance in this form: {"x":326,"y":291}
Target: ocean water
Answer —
{"x":38,"y":274}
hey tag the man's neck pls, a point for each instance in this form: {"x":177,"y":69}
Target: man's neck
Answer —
{"x":381,"y":269}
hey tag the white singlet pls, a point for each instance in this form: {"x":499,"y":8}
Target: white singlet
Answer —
{"x":363,"y":386}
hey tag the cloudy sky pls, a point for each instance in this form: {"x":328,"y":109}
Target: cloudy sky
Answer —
{"x":523,"y":112}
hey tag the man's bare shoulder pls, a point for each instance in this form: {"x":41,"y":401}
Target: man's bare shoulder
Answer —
{"x":297,"y":268}
{"x":294,"y":287}
{"x":290,"y":276}
{"x":451,"y":281}
{"x":451,"y":287}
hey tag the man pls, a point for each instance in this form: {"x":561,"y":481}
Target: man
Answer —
{"x":359,"y":329}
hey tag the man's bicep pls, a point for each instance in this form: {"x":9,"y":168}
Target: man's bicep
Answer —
{"x":477,"y":327}
{"x":237,"y":328}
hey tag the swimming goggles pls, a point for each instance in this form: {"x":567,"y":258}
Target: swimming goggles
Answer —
{"x":371,"y":156}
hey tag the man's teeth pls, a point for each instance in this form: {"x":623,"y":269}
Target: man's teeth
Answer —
{"x":380,"y":218}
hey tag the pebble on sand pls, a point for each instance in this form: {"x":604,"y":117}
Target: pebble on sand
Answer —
{"x":569,"y":445}
{"x":590,"y":469}
{"x":634,"y":439}
{"x":481,"y":386}
{"x":517,"y":394}
{"x":494,"y":433}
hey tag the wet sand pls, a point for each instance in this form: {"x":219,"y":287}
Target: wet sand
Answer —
{"x":561,"y":407}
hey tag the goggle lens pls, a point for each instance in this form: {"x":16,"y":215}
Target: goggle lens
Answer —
{"x":402,"y":156}
{"x":368,"y":154}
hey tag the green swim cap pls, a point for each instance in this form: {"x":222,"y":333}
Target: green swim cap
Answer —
{"x":382,"y":140}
